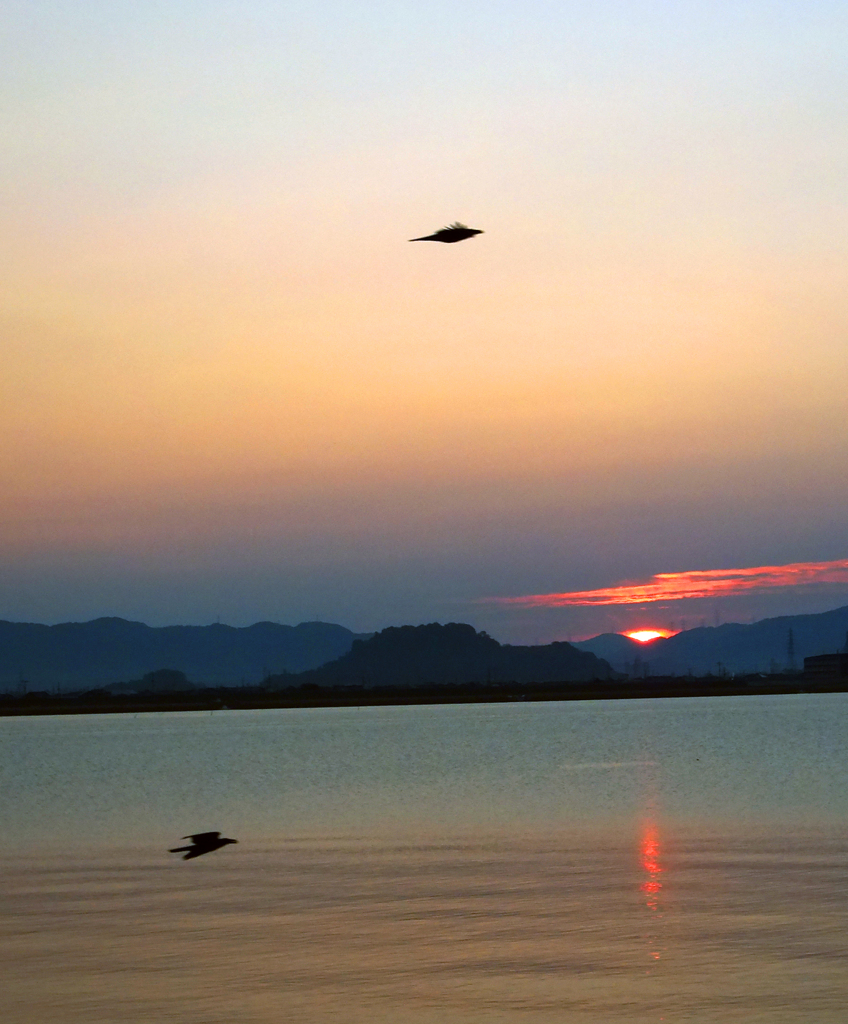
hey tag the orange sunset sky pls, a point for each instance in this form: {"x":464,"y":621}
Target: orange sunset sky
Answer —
{"x":233,"y":390}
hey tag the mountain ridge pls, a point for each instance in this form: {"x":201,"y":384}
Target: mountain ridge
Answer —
{"x":446,"y":654}
{"x":732,"y":647}
{"x":111,"y":650}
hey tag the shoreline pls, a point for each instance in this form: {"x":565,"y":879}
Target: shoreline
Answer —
{"x":252,"y":698}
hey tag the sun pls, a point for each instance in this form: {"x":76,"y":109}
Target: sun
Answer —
{"x":644,"y":635}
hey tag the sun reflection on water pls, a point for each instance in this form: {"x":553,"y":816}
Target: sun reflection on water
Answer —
{"x":651,"y":885}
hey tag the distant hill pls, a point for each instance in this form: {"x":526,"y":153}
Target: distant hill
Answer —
{"x":452,"y":653}
{"x":106,"y":651}
{"x":733,"y":647}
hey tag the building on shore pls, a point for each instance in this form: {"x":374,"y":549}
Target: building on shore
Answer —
{"x":826,"y":668}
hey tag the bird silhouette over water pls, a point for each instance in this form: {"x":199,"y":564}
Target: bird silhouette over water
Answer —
{"x":455,"y":232}
{"x":202,"y":842}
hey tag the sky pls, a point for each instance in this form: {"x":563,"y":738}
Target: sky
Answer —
{"x":233,"y":390}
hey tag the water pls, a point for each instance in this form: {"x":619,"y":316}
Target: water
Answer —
{"x":678,"y":861}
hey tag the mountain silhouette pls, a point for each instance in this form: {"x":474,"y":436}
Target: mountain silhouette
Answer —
{"x":733,"y":647}
{"x":111,"y":650}
{"x":451,"y":653}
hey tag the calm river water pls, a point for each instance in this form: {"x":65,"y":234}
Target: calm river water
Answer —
{"x":597,"y":862}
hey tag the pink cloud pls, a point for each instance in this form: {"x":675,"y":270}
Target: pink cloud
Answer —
{"x":696,"y":583}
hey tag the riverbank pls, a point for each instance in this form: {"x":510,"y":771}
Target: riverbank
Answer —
{"x":254,"y":698}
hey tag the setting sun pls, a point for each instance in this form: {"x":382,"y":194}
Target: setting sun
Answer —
{"x":644,"y":635}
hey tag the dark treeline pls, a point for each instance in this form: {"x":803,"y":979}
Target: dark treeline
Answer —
{"x":311,"y":695}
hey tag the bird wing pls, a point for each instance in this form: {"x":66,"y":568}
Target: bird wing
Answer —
{"x":203,"y":837}
{"x":452,"y":233}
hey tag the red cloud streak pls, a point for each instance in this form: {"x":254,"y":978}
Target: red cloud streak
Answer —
{"x":679,"y":586}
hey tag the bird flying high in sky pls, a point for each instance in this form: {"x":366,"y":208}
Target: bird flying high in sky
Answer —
{"x":455,"y":232}
{"x":202,"y":842}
